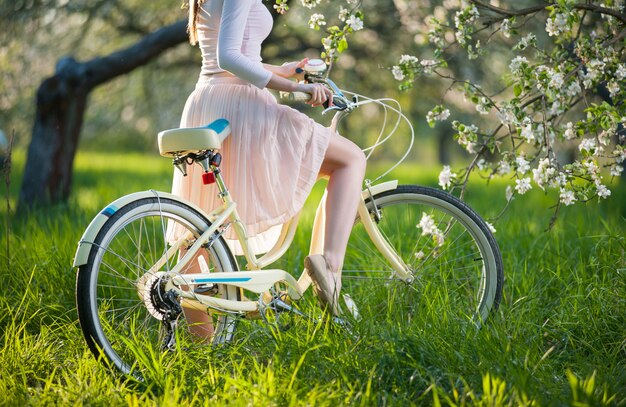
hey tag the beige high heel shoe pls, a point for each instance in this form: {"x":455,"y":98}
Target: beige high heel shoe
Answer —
{"x":326,"y":283}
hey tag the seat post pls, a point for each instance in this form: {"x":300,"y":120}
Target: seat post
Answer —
{"x":224,"y":193}
{"x":215,"y":161}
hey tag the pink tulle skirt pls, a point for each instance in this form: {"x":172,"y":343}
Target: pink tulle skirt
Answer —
{"x":270,"y":160}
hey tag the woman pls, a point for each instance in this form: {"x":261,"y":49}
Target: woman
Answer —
{"x":274,"y":154}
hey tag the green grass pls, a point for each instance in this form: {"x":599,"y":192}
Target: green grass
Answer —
{"x":559,"y":336}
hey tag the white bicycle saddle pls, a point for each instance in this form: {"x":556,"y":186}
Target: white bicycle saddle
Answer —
{"x":194,"y":139}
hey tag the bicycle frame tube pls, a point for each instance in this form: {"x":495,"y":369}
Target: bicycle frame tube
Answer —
{"x":257,"y":280}
{"x":402,"y":271}
{"x":285,"y":239}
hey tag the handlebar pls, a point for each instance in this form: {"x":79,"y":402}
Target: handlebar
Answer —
{"x":315,"y":71}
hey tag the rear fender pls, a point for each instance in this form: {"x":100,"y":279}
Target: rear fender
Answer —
{"x":89,"y":236}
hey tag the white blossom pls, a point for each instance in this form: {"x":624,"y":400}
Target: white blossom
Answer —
{"x":570,"y":132}
{"x":603,"y":191}
{"x":397,"y":73}
{"x":310,"y":3}
{"x":436,"y":38}
{"x":516,"y":65}
{"x":567,"y":197}
{"x":595,"y":70}
{"x":613,"y":88}
{"x":506,"y":115}
{"x":473,"y":15}
{"x":408,"y":59}
{"x":482,"y":106}
{"x":508,"y":193}
{"x":481,"y":164}
{"x":441,"y":116}
{"x":491,"y":227}
{"x":427,"y":224}
{"x":522,"y":165}
{"x":543,"y":173}
{"x":555,"y":109}
{"x":530,"y":39}
{"x":316,"y":21}
{"x":343,"y":13}
{"x":592,"y":168}
{"x":616,"y":170}
{"x":419,"y":255}
{"x":605,"y":137}
{"x":620,"y":154}
{"x":527,"y":132}
{"x":505,"y":27}
{"x":620,"y":72}
{"x":556,"y":79}
{"x":355,"y":23}
{"x":522,"y":185}
{"x":504,"y":167}
{"x":327,"y":43}
{"x":438,"y":236}
{"x":428,"y":65}
{"x":446,"y":176}
{"x":573,"y":89}
{"x":281,"y":8}
{"x":559,"y":181}
{"x":587,"y":144}
{"x":556,"y":25}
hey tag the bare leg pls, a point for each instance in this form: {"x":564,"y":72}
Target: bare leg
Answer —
{"x":199,"y":322}
{"x":345,"y":164}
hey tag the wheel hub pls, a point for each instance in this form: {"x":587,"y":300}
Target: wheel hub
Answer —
{"x":159,"y":302}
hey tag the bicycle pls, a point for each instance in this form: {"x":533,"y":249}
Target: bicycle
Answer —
{"x":134,"y":279}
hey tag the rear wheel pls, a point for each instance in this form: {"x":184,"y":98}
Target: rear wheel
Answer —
{"x":453,"y":255}
{"x":125,"y":308}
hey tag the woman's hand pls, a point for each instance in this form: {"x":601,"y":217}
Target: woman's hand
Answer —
{"x":319,"y":93}
{"x":293,"y":69}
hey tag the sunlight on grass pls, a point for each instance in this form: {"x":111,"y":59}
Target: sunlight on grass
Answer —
{"x":558,"y":338}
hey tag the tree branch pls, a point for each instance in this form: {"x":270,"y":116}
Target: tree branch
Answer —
{"x":529,"y":10}
{"x":108,"y":67}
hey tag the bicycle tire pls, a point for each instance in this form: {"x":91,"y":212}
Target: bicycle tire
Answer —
{"x":117,"y":321}
{"x":457,"y":279}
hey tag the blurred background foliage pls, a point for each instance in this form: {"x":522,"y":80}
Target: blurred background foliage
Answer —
{"x":126,"y":113}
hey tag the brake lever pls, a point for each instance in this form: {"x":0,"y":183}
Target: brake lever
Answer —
{"x":330,"y":109}
{"x":339,"y":103}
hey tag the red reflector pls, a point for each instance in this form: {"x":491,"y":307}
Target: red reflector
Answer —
{"x":208,"y":178}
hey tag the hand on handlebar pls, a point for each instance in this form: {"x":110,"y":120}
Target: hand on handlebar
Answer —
{"x":319,"y":93}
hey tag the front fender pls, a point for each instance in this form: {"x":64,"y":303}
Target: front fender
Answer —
{"x":378,"y":188}
{"x":86,"y":241}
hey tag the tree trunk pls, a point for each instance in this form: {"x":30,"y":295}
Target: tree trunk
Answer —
{"x":61,"y":103}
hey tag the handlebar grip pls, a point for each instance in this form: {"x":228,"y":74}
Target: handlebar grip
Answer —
{"x":299,"y":96}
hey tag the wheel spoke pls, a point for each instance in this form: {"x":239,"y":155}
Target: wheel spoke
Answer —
{"x":114,"y":313}
{"x":447,"y":275}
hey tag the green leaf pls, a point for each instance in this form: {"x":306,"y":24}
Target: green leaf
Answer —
{"x":343,"y":45}
{"x":517,"y":89}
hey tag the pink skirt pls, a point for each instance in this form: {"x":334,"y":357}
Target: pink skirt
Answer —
{"x":270,"y":161}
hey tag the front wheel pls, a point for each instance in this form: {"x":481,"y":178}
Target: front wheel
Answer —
{"x":126,"y":311}
{"x":454,"y":258}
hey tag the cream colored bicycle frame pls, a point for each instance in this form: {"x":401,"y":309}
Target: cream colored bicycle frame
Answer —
{"x":255,"y":279}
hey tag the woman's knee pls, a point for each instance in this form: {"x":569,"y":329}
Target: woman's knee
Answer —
{"x":360,"y":161}
{"x":343,"y":153}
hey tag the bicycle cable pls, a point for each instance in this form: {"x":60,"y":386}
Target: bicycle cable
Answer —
{"x":401,"y":116}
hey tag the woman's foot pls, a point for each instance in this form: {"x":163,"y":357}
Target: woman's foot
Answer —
{"x":326,"y":283}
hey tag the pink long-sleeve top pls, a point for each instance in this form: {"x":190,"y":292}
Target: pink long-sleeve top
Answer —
{"x":230,"y":33}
